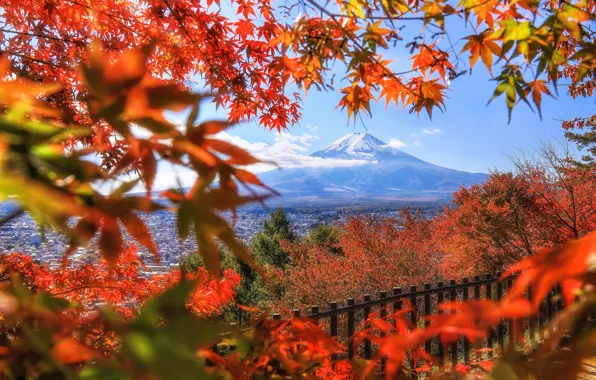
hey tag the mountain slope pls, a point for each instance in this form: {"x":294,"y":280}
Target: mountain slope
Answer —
{"x":377,"y":170}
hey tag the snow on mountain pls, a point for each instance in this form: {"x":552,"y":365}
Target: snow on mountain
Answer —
{"x":362,"y":146}
{"x":388,"y":173}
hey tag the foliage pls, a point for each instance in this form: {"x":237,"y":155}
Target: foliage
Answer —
{"x":63,"y":102}
{"x":327,"y":236}
{"x":56,"y":186}
{"x":546,"y":202}
{"x":247,"y":52}
{"x":265,"y":244}
{"x":126,"y":285}
{"x":271,"y":348}
{"x":401,"y":246}
{"x":231,"y":54}
{"x":50,"y":178}
{"x":81,"y":313}
{"x":266,"y":248}
{"x":586,"y":140}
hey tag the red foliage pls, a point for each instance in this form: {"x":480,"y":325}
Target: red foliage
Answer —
{"x":232,"y":54}
{"x":512,"y":216}
{"x":294,"y":347}
{"x":401,"y":246}
{"x":125,"y":285}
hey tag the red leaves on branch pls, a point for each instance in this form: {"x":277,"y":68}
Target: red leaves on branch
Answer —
{"x":566,"y":265}
{"x":125,"y":285}
{"x":71,"y":351}
{"x":298,"y":347}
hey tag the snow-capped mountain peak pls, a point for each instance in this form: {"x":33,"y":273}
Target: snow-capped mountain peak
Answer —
{"x":387,"y":172}
{"x":361,"y":146}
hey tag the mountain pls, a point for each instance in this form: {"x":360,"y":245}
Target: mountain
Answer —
{"x":363,"y":146}
{"x":367,"y":168}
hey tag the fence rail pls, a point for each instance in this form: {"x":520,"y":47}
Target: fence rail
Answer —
{"x":341,"y":320}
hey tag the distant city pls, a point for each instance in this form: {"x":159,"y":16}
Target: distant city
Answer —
{"x":22,"y":234}
{"x":385,"y":180}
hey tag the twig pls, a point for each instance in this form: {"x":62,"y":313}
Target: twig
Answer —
{"x":15,"y":214}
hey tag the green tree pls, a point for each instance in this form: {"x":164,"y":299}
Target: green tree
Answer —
{"x":266,"y":243}
{"x":266,"y":248}
{"x":585,"y":140}
{"x":325,"y":235}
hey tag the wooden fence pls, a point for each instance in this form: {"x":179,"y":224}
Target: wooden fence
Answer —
{"x":341,"y":319}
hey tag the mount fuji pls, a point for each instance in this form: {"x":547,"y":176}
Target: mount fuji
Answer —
{"x":367,"y":168}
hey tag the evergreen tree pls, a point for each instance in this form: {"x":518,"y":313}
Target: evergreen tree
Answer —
{"x":585,"y":140}
{"x":265,"y":244}
{"x":325,"y":235}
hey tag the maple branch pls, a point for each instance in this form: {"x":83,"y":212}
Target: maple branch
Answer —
{"x":357,"y":43}
{"x":110,"y":16}
{"x":181,"y":24}
{"x":41,"y":61}
{"x":15,"y":214}
{"x":592,"y":17}
{"x":401,"y":18}
{"x":78,"y":42}
{"x":85,"y":287}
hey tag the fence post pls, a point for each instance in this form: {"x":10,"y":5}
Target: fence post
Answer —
{"x":397,"y":304}
{"x":333,"y":324}
{"x":478,"y":342}
{"x":511,"y":324}
{"x":532,"y":319}
{"x":501,"y":326}
{"x":383,"y":314}
{"x":350,"y":302}
{"x":296,"y":313}
{"x":542,"y":318}
{"x":549,"y":306}
{"x":314,"y":310}
{"x":383,"y":307}
{"x":367,"y":343}
{"x":465,"y":340}
{"x":428,"y":343}
{"x":453,"y":298}
{"x":491,"y":334}
{"x":476,"y":288}
{"x":413,"y":320}
{"x":559,"y":293}
{"x":439,"y":302}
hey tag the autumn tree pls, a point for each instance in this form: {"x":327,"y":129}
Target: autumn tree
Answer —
{"x":563,"y":190}
{"x":247,"y":52}
{"x":545,"y":202}
{"x":57,"y":187}
{"x":490,"y":226}
{"x":402,"y":246}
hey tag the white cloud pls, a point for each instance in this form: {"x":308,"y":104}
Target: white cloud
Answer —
{"x":433,"y":131}
{"x":287,"y":151}
{"x":312,"y":128}
{"x":397,"y":144}
{"x":417,"y":143}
